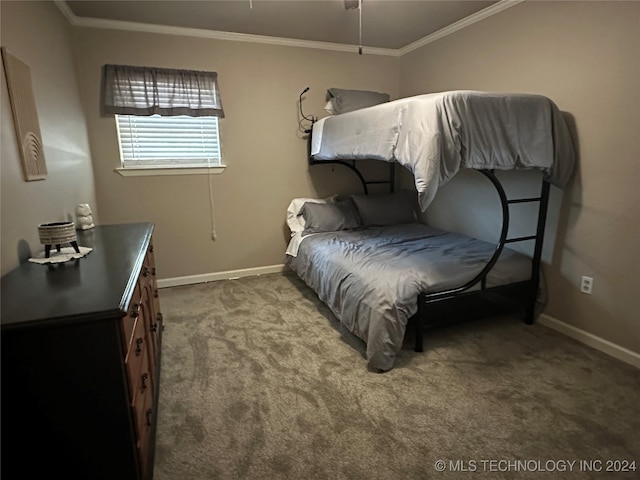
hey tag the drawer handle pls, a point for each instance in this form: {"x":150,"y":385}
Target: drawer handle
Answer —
{"x":144,"y":378}
{"x":135,"y":311}
{"x":154,"y":326}
{"x":145,"y":272}
{"x":139,"y":342}
{"x":149,"y":414}
{"x":155,"y":293}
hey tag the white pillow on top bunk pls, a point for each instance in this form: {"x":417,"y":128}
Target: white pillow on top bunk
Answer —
{"x":341,"y":100}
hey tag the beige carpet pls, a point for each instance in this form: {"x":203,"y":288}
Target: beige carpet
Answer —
{"x":259,"y":381}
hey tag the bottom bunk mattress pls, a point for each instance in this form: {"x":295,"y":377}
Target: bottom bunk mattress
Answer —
{"x":370,"y":277}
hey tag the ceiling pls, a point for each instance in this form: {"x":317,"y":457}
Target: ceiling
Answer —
{"x":389,"y":24}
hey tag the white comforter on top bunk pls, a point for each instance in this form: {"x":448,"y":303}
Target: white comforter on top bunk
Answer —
{"x":434,"y":135}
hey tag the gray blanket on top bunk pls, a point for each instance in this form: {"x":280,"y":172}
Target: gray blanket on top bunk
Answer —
{"x":371,"y":277}
{"x":434,"y":135}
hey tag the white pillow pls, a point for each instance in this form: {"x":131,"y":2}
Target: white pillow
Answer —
{"x":295,"y":217}
{"x":343,"y":101}
{"x":329,"y":108}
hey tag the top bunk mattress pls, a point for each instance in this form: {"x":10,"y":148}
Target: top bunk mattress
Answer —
{"x":434,"y":135}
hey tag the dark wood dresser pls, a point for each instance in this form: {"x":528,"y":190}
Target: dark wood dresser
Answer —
{"x":81,"y":361}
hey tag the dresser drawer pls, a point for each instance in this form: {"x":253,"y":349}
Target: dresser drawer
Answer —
{"x":144,"y":440}
{"x":137,"y":353}
{"x":129,"y":320}
{"x":142,"y":383}
{"x":142,"y":391}
{"x":151,"y":320}
{"x":143,"y":411}
{"x":148,"y":271}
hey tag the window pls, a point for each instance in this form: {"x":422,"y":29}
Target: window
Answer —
{"x":165,"y":118}
{"x":175,"y":142}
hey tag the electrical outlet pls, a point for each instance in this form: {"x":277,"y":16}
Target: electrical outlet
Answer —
{"x":587,"y":285}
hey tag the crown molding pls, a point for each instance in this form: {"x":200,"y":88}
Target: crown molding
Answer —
{"x":88,"y":22}
{"x":66,"y":11}
{"x":213,"y":34}
{"x":459,"y":25}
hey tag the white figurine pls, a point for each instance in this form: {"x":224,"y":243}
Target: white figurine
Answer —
{"x":84,"y":217}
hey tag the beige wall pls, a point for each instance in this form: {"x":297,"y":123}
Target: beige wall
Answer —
{"x":261,"y":144}
{"x":37,"y":34}
{"x":585,"y":56}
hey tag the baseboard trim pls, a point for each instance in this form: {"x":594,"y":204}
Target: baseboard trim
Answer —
{"x":212,"y":277}
{"x":605,"y":346}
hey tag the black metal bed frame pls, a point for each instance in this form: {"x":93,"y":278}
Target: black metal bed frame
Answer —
{"x":455,"y":304}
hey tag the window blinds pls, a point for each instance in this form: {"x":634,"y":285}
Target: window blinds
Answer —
{"x":179,"y":141}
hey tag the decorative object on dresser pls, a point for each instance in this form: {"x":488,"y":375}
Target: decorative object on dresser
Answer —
{"x":84,"y":217}
{"x":81,"y":361}
{"x":57,"y":233}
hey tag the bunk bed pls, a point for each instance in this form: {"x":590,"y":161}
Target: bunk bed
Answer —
{"x":378,"y":272}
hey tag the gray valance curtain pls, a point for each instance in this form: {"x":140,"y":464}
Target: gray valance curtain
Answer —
{"x":131,"y":90}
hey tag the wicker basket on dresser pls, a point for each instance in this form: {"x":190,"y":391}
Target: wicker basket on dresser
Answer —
{"x":81,"y":346}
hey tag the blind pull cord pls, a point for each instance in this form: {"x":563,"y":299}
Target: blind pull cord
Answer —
{"x":360,"y":27}
{"x":214,"y":235}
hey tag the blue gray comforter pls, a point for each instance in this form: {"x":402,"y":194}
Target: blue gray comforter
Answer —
{"x":370,"y":278}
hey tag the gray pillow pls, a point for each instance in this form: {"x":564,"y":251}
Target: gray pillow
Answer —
{"x":330,"y":217}
{"x":385,"y":209}
{"x":343,"y":101}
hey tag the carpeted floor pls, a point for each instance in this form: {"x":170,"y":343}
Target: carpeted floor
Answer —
{"x":259,"y":381}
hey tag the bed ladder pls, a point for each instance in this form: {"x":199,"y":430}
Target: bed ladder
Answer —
{"x":529,"y":287}
{"x":543,"y":200}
